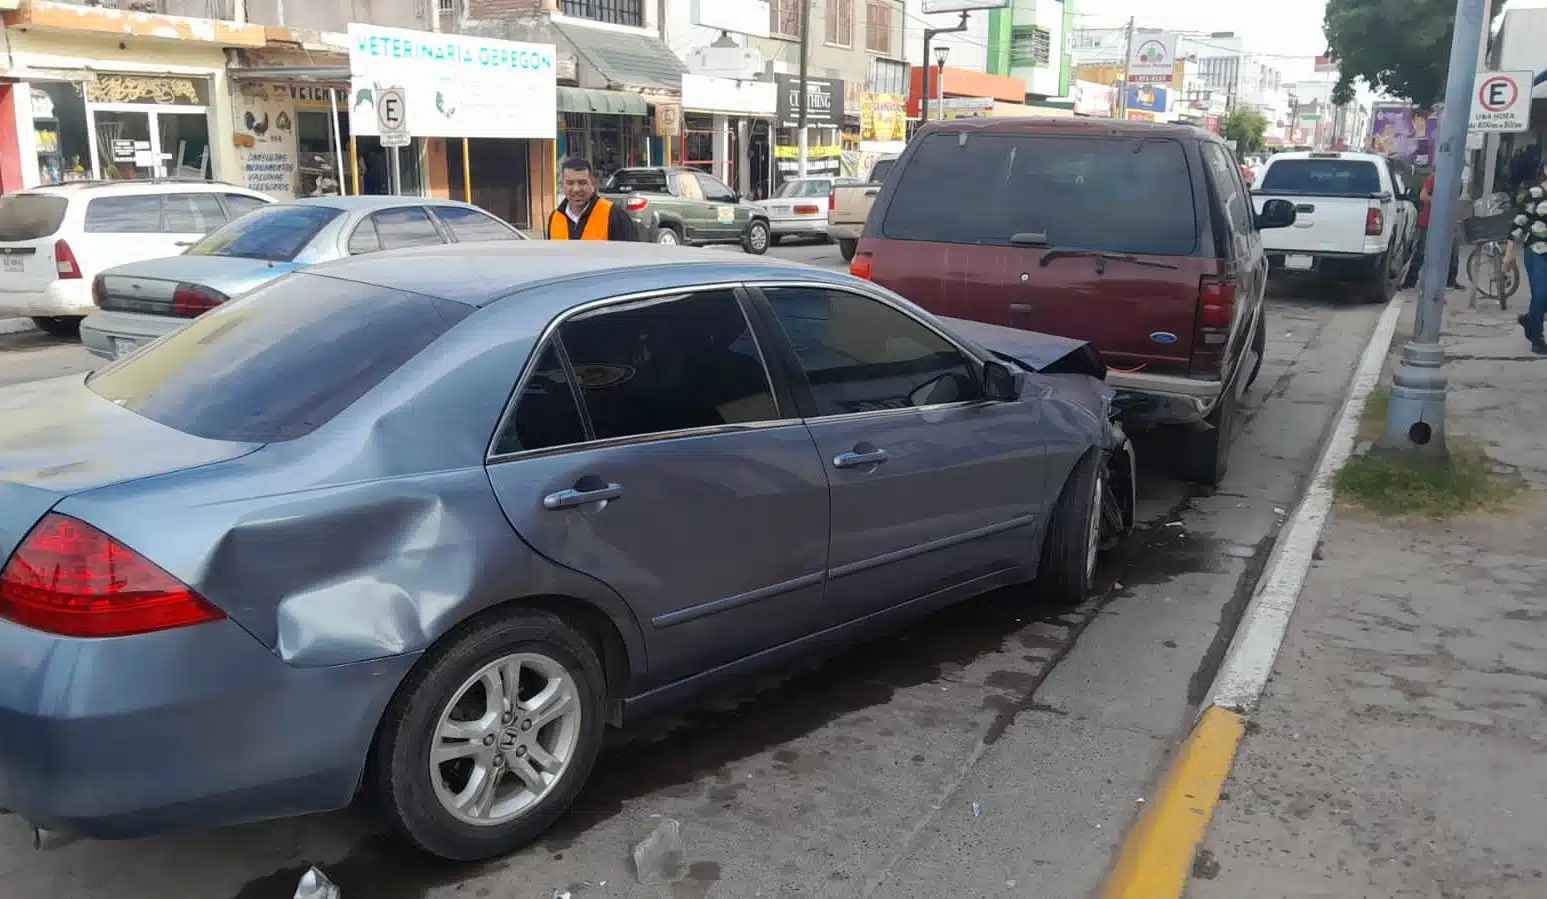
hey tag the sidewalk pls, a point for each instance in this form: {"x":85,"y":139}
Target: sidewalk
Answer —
{"x":1400,"y":749}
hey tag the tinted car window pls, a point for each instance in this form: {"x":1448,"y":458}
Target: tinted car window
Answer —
{"x":124,"y":215}
{"x":715,"y":190}
{"x":546,"y":414}
{"x":193,"y":213}
{"x":881,"y":169}
{"x":279,"y":362}
{"x":30,"y":216}
{"x":364,"y":239}
{"x":409,"y":226}
{"x":860,"y":355}
{"x":804,"y":189}
{"x":276,"y":233}
{"x":1228,"y":184}
{"x":472,"y":226}
{"x":667,"y":365}
{"x":646,"y":180}
{"x":1322,"y":178}
{"x":237,"y":204}
{"x":1114,"y":195}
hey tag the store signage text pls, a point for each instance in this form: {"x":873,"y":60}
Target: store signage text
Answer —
{"x":823,"y":101}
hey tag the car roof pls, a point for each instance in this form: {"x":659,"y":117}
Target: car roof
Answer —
{"x":478,"y":274}
{"x":142,"y":186}
{"x":1326,"y":154}
{"x":1070,"y":127}
{"x":371,"y":202}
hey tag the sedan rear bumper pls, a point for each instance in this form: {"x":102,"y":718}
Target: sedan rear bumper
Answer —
{"x":114,"y":334}
{"x":815,"y":227}
{"x":190,"y":728}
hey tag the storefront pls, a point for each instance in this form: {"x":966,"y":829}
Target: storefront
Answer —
{"x":728,"y":130}
{"x":616,"y":79}
{"x":609,"y":128}
{"x":824,"y":105}
{"x":290,"y":131}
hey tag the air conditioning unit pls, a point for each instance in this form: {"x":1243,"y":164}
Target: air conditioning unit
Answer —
{"x":741,"y":63}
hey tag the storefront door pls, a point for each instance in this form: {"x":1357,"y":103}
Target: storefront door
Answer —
{"x":132,"y":143}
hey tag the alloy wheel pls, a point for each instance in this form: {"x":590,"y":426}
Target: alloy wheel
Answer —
{"x":666,"y":237}
{"x":1093,"y":533}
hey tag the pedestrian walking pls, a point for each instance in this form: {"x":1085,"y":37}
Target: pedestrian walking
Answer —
{"x":1530,"y":231}
{"x":583,"y":215}
{"x":1425,"y":207}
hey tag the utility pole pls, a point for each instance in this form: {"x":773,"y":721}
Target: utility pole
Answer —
{"x":801,"y":138}
{"x":1122,"y":90}
{"x":1416,"y":422}
{"x":929,"y":38}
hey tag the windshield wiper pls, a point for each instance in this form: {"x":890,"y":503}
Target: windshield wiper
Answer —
{"x":1101,"y":259}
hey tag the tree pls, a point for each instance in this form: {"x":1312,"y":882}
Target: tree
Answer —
{"x":1398,"y":47}
{"x":1246,"y":127}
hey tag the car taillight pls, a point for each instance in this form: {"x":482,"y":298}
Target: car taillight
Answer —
{"x":99,"y":292}
{"x":806,"y":210}
{"x":634,"y":204}
{"x":859,"y":266}
{"x":192,"y":301}
{"x":1374,"y":223}
{"x":1216,"y":313}
{"x":71,"y":579}
{"x":64,"y":261}
{"x":832,"y":200}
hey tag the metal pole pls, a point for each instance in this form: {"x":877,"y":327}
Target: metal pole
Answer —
{"x":354,"y":161}
{"x":394,"y":177}
{"x":338,"y":138}
{"x":801,"y":140}
{"x":1122,"y":90}
{"x":467,"y":173}
{"x":929,"y":37}
{"x":1417,"y":419}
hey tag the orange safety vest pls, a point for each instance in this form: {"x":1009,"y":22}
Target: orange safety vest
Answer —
{"x":596,"y":227}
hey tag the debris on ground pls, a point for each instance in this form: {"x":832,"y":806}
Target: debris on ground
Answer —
{"x":977,"y":810}
{"x":660,"y":857}
{"x":316,"y":885}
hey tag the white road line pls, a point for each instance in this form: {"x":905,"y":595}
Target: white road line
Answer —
{"x":1244,"y":675}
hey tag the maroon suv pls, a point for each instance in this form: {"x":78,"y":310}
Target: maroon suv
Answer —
{"x":1139,"y":238}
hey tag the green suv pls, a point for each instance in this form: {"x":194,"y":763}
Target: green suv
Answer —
{"x":673,"y":205}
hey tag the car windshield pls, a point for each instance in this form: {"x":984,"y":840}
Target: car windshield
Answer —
{"x":803,"y":189}
{"x":274,"y":233}
{"x":279,"y":362}
{"x":30,"y":216}
{"x":1119,"y":195}
{"x":629,"y":180}
{"x":1321,"y":178}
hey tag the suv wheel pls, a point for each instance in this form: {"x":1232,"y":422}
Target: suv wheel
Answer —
{"x":757,"y":238}
{"x":1203,"y":455}
{"x":847,"y":248}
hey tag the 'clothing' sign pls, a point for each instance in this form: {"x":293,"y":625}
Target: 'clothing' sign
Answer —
{"x":824,"y":101}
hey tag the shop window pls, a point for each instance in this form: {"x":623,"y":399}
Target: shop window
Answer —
{"x":59,"y":127}
{"x":616,"y":12}
{"x":879,"y":18}
{"x":840,"y":22}
{"x":1030,"y":46}
{"x":124,"y":215}
{"x":784,"y":18}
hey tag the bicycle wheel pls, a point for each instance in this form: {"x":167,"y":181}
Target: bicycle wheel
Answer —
{"x":1479,"y":270}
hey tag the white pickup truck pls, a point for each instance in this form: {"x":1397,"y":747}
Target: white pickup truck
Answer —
{"x":1356,"y":219}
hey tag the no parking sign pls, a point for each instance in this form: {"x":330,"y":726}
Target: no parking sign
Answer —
{"x":1501,"y":102}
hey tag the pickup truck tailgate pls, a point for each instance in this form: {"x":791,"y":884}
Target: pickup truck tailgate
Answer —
{"x":1326,"y":225}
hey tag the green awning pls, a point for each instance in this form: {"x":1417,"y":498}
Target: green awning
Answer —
{"x":581,"y":99}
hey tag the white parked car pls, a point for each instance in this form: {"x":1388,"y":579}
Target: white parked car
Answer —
{"x":54,"y":240}
{"x":799,"y":208}
{"x":1356,"y":219}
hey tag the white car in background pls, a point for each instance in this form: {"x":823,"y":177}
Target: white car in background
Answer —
{"x":54,"y":240}
{"x":799,"y":208}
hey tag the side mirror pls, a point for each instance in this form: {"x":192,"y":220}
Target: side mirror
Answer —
{"x":999,"y":383}
{"x":1276,"y":214}
{"x":735,"y":197}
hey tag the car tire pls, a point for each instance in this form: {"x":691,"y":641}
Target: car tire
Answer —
{"x":1204,"y":454}
{"x":757,"y":238}
{"x":417,"y":797}
{"x":1259,"y":346}
{"x":847,"y":248}
{"x":1068,"y":571}
{"x":667,"y":236}
{"x":1382,"y":286}
{"x":58,"y":325}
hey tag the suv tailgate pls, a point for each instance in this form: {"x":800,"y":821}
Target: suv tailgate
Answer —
{"x":28,"y":225}
{"x":1333,"y":199}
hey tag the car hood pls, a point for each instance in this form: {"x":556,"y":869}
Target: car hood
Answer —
{"x":1043,"y":353}
{"x":231,"y":275}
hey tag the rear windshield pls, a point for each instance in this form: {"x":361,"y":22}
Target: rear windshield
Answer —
{"x":1321,"y":178}
{"x":1108,"y":195}
{"x":279,"y":362}
{"x":646,"y":180}
{"x":30,"y":216}
{"x":798,"y":189}
{"x":274,"y":233}
{"x":880,"y":170}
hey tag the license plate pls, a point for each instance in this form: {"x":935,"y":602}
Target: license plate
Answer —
{"x":123,"y":346}
{"x":1299,"y":263}
{"x":15,"y":263}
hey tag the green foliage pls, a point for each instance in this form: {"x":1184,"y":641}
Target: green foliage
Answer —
{"x":1246,"y":127}
{"x":1398,"y":47}
{"x":1405,"y":485}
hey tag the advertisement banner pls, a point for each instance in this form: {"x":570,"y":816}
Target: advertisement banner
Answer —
{"x":454,"y":85}
{"x":266,"y":139}
{"x":824,"y":102}
{"x":1405,"y":132}
{"x":1152,"y":58}
{"x":1148,"y":99}
{"x":1094,"y":99}
{"x":967,"y":107}
{"x":883,"y":117}
{"x":820,"y":161}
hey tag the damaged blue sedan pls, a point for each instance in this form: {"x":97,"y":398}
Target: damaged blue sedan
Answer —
{"x":425,"y":523}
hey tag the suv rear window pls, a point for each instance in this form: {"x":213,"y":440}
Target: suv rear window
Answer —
{"x":1321,"y":178}
{"x":30,"y":216}
{"x":646,"y":180}
{"x":1108,"y":195}
{"x":279,"y":362}
{"x":274,"y":233}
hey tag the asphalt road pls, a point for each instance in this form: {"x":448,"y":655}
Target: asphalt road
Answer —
{"x":996,"y":749}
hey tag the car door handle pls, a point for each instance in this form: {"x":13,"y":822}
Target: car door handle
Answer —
{"x":872,"y":192}
{"x":568,"y":499}
{"x":860,"y":459}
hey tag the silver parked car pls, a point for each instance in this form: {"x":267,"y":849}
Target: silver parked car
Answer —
{"x":426,"y":522}
{"x":799,"y":207}
{"x":140,"y":301}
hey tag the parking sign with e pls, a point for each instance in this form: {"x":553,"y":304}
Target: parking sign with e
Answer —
{"x":1501,"y":102}
{"x":392,"y":117}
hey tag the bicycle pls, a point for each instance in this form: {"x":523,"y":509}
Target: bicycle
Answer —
{"x":1485,"y":266}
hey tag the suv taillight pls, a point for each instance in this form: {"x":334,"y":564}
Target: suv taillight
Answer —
{"x":859,"y":266}
{"x":1374,"y":222}
{"x":635,"y":204}
{"x":69,"y":578}
{"x":1216,"y":312}
{"x":192,"y":300}
{"x":64,"y":261}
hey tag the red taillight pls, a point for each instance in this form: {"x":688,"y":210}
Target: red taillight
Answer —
{"x":192,"y":301}
{"x":99,"y":292}
{"x":1216,"y":313}
{"x":69,"y":578}
{"x":634,"y":204}
{"x":64,"y":261}
{"x":859,"y":266}
{"x":832,"y":200}
{"x":807,"y":210}
{"x":1374,"y":223}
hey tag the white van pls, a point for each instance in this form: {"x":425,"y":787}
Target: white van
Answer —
{"x":54,"y":240}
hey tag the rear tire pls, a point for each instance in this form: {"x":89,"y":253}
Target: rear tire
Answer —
{"x":667,"y":236}
{"x":415,"y":794}
{"x":1203,"y":456}
{"x":1382,"y":287}
{"x":58,"y":325}
{"x":847,"y":248}
{"x":1068,"y":572}
{"x":757,"y":238}
{"x":1259,"y":346}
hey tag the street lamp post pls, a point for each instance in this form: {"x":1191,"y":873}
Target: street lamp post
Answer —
{"x":929,"y":37}
{"x":941,"y":55}
{"x":1416,"y":422}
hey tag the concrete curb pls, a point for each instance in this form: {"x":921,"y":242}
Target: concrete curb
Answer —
{"x":16,"y":325}
{"x":1157,"y":855}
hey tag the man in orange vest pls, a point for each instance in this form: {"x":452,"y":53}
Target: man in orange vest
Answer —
{"x":583,"y":215}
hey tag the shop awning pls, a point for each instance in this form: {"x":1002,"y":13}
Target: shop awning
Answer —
{"x":324,"y":76}
{"x":581,"y":99}
{"x":627,"y":60}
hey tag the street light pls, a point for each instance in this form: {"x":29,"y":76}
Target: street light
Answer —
{"x":941,"y":54}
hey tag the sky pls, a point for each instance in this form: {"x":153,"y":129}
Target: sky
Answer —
{"x":1287,"y":31}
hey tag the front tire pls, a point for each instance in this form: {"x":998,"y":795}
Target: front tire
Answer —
{"x":489,"y":740}
{"x":1073,"y":541}
{"x":757,"y":238}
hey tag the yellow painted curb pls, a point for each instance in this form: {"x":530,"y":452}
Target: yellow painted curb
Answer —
{"x":1158,"y":855}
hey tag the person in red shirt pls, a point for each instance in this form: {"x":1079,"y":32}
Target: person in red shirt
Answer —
{"x":1425,"y":205}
